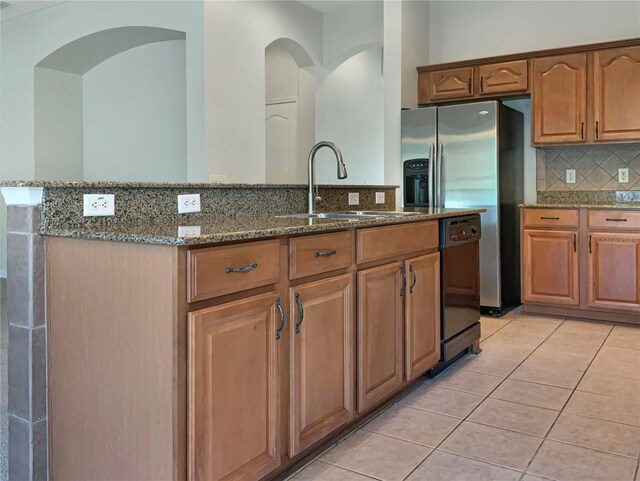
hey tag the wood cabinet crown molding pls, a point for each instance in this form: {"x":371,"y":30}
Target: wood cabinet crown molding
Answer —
{"x":628,"y":42}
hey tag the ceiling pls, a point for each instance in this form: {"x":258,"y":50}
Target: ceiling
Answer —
{"x":328,"y":6}
{"x":18,"y":8}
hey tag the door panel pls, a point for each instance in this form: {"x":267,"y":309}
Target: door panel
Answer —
{"x":559,"y":99}
{"x":614,"y":271}
{"x":283,"y":166}
{"x":422,"y":314}
{"x":229,"y":345}
{"x":322,"y":359}
{"x":616,"y":94}
{"x":451,"y":84}
{"x":505,"y":77}
{"x":550,"y":267}
{"x":380,"y":349}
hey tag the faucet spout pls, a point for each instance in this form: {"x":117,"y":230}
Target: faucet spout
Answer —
{"x":342,"y":170}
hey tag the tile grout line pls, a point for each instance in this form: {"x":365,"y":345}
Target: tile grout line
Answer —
{"x":566,"y":402}
{"x":474,"y":409}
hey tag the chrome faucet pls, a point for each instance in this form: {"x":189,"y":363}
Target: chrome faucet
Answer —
{"x":342,"y":171}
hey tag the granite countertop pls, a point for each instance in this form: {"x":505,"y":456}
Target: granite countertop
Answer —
{"x":60,"y":184}
{"x":581,"y":206}
{"x":238,"y":228}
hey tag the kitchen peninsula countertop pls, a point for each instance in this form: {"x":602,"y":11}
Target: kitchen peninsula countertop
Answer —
{"x":228,"y":229}
{"x":631,"y":206}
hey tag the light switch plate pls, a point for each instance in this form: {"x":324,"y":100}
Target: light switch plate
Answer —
{"x":571,"y":176}
{"x":380,"y":198}
{"x":188,"y":203}
{"x":354,"y":198}
{"x":95,"y":205}
{"x":188,"y":230}
{"x":623,"y":176}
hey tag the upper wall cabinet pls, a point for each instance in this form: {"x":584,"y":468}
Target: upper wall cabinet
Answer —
{"x":505,"y":77}
{"x":616,"y":94}
{"x":559,"y":99}
{"x":450,"y":84}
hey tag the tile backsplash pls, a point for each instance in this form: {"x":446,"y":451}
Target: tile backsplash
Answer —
{"x":596,"y":167}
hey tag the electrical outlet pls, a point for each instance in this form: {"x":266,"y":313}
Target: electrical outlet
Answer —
{"x":217,"y":179}
{"x":380,"y":197}
{"x":623,"y":176}
{"x":354,"y":198}
{"x":571,"y":176}
{"x":188,"y":203}
{"x":98,"y":205}
{"x":188,"y":230}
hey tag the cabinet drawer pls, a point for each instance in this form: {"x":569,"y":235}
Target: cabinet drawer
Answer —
{"x":613,"y":219}
{"x":320,"y":253}
{"x":551,"y":218}
{"x":217,"y":271}
{"x":379,"y":243}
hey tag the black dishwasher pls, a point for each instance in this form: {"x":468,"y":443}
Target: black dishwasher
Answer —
{"x":459,"y":287}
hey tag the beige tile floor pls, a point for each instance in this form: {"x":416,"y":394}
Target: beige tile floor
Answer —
{"x":547,"y":399}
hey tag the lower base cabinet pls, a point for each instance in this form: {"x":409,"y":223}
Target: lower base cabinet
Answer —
{"x":422,"y":314}
{"x":322,"y":333}
{"x":614,"y":271}
{"x":233,"y":390}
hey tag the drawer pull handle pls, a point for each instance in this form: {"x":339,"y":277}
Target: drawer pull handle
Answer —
{"x":415,"y":279}
{"x":404,"y":281}
{"x":279,"y":306}
{"x":301,"y":312}
{"x":332,"y":252}
{"x":616,"y":220}
{"x":549,"y":218}
{"x":248,"y":268}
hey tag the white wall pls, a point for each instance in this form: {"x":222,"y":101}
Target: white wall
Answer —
{"x":472,"y":29}
{"x":135,"y":115}
{"x":415,"y":48}
{"x":236,"y":36}
{"x":26,"y":40}
{"x":350,"y":112}
{"x":58,"y":125}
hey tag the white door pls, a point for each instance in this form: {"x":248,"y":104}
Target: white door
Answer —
{"x":282,"y":143}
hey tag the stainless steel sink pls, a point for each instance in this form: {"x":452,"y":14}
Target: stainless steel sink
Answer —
{"x":330,"y":216}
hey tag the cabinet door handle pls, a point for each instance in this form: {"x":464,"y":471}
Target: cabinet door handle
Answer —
{"x":549,"y":218}
{"x":575,"y":243}
{"x":481,"y":84}
{"x":404,"y":281}
{"x":332,"y":252}
{"x":415,"y":279}
{"x":279,"y":306}
{"x":590,"y":250}
{"x":300,"y":313}
{"x":582,"y":131}
{"x":597,"y":128}
{"x":616,"y":220}
{"x":248,"y":268}
{"x":470,"y":86}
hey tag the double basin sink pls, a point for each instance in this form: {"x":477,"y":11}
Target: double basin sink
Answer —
{"x":347,"y":215}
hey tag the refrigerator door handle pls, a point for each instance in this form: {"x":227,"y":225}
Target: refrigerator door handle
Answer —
{"x":439,"y":202}
{"x":432,"y":152}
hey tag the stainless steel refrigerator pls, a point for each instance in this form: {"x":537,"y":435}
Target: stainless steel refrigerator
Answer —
{"x":475,"y":160}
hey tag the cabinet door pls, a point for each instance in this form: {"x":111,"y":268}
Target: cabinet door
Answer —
{"x":616,"y":94}
{"x":614,"y":271}
{"x":422,"y":314}
{"x":503,"y":78}
{"x":322,"y":359}
{"x":379,"y":333}
{"x":233,"y":393}
{"x":550,"y":267}
{"x":451,"y":84}
{"x":559,"y":99}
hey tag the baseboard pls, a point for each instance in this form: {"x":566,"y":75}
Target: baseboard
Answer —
{"x":589,"y":315}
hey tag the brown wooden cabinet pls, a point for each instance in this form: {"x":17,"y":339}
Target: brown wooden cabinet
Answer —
{"x":322,"y":372}
{"x":616,"y":94}
{"x":380,"y":343}
{"x":450,"y":84}
{"x":559,"y":99}
{"x":233,"y":390}
{"x":503,"y":77}
{"x":422,"y":314}
{"x":614,"y":271}
{"x":550,"y":267}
